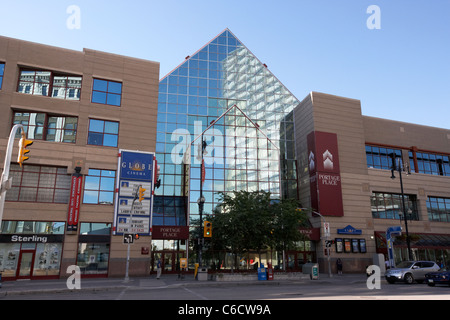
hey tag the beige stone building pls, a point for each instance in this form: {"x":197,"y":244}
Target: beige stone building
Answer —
{"x":371,"y":199}
{"x":79,"y":108}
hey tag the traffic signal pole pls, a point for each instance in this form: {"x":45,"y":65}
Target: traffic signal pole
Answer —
{"x":5,"y":184}
{"x":136,"y":197}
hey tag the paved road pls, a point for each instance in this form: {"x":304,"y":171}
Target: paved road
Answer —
{"x":148,"y":289}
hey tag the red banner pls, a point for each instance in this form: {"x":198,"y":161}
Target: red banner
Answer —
{"x":203,"y":171}
{"x":324,"y":174}
{"x":74,"y":203}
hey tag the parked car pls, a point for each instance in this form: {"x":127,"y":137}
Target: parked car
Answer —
{"x":410,"y":271}
{"x":440,"y":277}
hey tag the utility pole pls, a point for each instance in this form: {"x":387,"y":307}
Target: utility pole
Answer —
{"x":201,"y":201}
{"x":136,"y":196}
{"x":399,"y":168}
{"x":327,"y":239}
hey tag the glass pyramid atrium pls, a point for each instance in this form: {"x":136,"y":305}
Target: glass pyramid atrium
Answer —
{"x":247,"y":148}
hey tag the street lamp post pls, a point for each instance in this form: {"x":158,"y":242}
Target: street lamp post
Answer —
{"x":327,"y":238}
{"x":201,"y":201}
{"x":399,"y":168}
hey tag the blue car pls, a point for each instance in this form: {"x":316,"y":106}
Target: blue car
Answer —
{"x":440,"y":277}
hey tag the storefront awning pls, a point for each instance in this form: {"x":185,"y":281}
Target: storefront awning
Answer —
{"x":417,"y":240}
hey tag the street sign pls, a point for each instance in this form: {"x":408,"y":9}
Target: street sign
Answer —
{"x":326,"y":229}
{"x":136,"y":225}
{"x":128,"y":238}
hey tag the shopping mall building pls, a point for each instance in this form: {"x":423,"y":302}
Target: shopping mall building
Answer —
{"x":82,"y":108}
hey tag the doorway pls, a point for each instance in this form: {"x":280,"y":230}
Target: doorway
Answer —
{"x":25,"y":265}
{"x":170,"y":261}
{"x":296,"y":259}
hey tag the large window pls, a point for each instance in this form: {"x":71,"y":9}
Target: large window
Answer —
{"x":103,"y":133}
{"x":2,"y":72}
{"x":389,"y":206}
{"x":99,"y":187}
{"x":431,"y":163}
{"x":169,"y":211}
{"x":93,"y":248}
{"x":107,"y":92}
{"x":39,"y":184}
{"x":50,"y":84}
{"x":438,"y":209}
{"x":43,"y":126}
{"x":380,"y":158}
{"x":47,"y":256}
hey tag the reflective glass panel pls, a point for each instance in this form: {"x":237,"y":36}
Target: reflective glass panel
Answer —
{"x":243,"y":145}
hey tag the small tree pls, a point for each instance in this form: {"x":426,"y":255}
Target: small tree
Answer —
{"x":254,"y":221}
{"x":286,"y":224}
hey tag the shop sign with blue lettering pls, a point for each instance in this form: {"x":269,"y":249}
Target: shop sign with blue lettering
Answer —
{"x":349,"y":230}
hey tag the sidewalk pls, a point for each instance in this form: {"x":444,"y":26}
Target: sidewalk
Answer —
{"x":22,"y":287}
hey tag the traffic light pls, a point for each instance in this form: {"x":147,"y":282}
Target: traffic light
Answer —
{"x":141,"y":193}
{"x":23,"y":144}
{"x":207,"y":229}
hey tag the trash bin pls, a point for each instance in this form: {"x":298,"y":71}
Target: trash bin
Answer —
{"x":312,"y":269}
{"x":202,"y":274}
{"x":262,"y":275}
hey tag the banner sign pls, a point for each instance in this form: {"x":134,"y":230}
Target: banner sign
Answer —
{"x":324,"y":173}
{"x":136,"y":169}
{"x":170,"y":232}
{"x":74,"y":202}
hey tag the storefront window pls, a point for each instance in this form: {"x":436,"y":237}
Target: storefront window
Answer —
{"x":93,"y":258}
{"x":93,"y":248}
{"x":9,"y":255}
{"x":22,"y":242}
{"x":48,"y":259}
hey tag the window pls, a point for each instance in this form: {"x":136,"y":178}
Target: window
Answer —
{"x":93,"y":248}
{"x":2,"y":72}
{"x":99,"y":187}
{"x":431,"y":163}
{"x":107,"y":92}
{"x":169,"y":211}
{"x":438,"y":209}
{"x":389,"y":206}
{"x":380,"y":158}
{"x":42,"y":126}
{"x":103,"y":133}
{"x":39,"y":184}
{"x":47,"y":83}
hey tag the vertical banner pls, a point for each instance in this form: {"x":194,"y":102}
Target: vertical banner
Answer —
{"x":324,"y":173}
{"x":135,"y":169}
{"x":74,"y":202}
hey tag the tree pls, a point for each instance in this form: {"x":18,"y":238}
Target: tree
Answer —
{"x":254,"y":221}
{"x":286,"y":224}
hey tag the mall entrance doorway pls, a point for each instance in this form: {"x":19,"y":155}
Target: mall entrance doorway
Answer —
{"x":170,"y":261}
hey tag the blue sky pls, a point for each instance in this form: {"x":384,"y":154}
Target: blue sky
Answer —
{"x":399,"y":72}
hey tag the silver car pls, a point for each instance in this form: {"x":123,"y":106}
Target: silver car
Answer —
{"x":410,"y":271}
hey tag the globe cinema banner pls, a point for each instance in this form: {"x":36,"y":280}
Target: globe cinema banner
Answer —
{"x":135,"y":169}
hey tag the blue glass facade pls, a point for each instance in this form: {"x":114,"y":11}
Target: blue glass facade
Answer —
{"x":250,"y":148}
